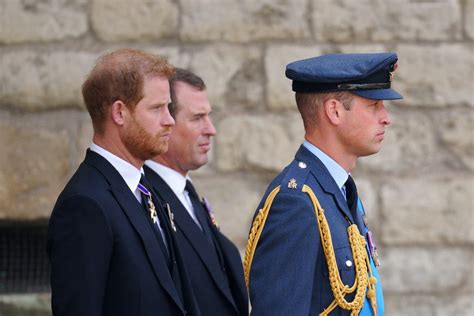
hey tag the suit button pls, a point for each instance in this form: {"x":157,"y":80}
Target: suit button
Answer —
{"x":348,"y":263}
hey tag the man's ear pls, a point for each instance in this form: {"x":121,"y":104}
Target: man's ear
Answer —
{"x":118,"y":112}
{"x":333,"y":111}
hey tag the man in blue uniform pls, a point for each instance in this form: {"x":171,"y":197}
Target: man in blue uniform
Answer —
{"x":310,"y":251}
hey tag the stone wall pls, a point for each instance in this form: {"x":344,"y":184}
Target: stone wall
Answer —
{"x":418,"y":190}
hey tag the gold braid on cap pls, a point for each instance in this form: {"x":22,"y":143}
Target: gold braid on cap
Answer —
{"x":357,"y":242}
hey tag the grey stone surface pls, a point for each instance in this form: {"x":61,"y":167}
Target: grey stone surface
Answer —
{"x":231,"y":75}
{"x":457,"y":304}
{"x":456,"y":131}
{"x":469,"y":19}
{"x":418,"y":191}
{"x":133,"y":19}
{"x":34,"y":165}
{"x":426,"y":270}
{"x":243,"y":21}
{"x":266,"y":142}
{"x":377,"y":20}
{"x":234,"y":199}
{"x":409,"y":144}
{"x":32,"y":80}
{"x":436,"y":75}
{"x":429,"y":210}
{"x":278,"y":88}
{"x":42,"y":21}
{"x":25,"y":304}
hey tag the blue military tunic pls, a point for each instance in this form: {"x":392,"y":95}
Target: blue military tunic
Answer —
{"x":340,"y":176}
{"x":289,"y":273}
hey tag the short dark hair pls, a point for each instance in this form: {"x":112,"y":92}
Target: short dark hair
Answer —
{"x":188,"y":77}
{"x":309,"y":103}
{"x":120,"y":75}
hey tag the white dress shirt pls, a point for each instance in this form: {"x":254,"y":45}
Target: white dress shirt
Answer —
{"x":177,"y":183}
{"x":130,"y":174}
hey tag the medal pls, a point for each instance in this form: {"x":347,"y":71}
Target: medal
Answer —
{"x":373,"y":248}
{"x":207,"y":207}
{"x":151,"y":205}
{"x":171,"y":216}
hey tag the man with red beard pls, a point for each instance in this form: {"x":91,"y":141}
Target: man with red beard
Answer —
{"x":112,"y":246}
{"x":213,"y":262}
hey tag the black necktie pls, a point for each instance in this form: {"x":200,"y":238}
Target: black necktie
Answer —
{"x":202,"y":217}
{"x":146,"y":199}
{"x":352,"y":201}
{"x":199,"y":210}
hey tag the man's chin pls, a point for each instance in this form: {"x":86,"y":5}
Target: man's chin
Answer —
{"x":161,"y":149}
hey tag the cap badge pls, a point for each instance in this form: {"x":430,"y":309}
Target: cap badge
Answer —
{"x":292,"y":184}
{"x":392,"y":71}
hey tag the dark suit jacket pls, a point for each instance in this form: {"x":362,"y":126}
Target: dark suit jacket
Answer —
{"x":104,"y":253}
{"x":219,"y":288}
{"x":289,"y":274}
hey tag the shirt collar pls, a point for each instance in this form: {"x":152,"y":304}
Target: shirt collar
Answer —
{"x":173,"y":178}
{"x":338,"y":173}
{"x":129,"y":172}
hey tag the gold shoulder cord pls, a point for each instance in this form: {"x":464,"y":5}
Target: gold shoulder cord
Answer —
{"x":361,"y":260}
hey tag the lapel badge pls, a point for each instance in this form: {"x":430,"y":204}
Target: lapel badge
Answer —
{"x":292,"y":184}
{"x":302,"y":165}
{"x":207,"y":207}
{"x":171,"y":217}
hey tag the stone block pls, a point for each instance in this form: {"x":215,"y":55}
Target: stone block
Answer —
{"x":232,"y":75}
{"x":429,"y":210}
{"x":34,"y":163}
{"x":171,"y":53}
{"x":377,"y":20}
{"x":266,"y":142}
{"x":42,"y":21}
{"x":469,"y":19}
{"x":279,"y":94}
{"x":436,"y":75}
{"x":460,"y":304}
{"x":425,"y":270}
{"x":243,"y":21}
{"x":83,"y":139}
{"x":134,"y":19}
{"x":32,"y":80}
{"x":409,"y":144}
{"x":234,"y":199}
{"x":456,"y":130}
{"x":368,"y":194}
{"x":38,"y":304}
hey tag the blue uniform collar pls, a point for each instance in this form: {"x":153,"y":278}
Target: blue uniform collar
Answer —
{"x":338,"y":173}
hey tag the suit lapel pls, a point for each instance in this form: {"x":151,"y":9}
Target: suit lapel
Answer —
{"x":133,"y":210}
{"x":235,"y":270}
{"x":190,"y":231}
{"x":322,"y":175}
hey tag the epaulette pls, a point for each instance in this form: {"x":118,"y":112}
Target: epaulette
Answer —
{"x":295,"y":177}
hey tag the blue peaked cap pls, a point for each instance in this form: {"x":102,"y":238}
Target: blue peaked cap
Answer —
{"x":366,"y":75}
